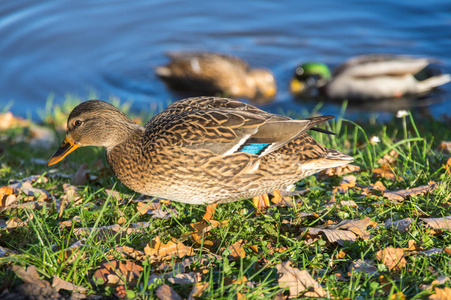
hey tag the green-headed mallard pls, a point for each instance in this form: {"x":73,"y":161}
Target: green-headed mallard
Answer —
{"x":213,"y":73}
{"x":366,"y":77}
{"x":202,"y":150}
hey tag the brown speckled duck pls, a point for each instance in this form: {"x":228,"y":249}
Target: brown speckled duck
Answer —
{"x":213,"y":73}
{"x":202,"y":150}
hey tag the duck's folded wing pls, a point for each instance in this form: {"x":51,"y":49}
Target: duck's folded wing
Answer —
{"x":225,"y":132}
{"x":381,"y":65}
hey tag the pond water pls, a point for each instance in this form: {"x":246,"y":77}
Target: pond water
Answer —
{"x":112,"y":47}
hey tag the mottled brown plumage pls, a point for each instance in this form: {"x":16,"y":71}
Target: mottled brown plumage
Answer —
{"x":213,"y":73}
{"x":202,"y":150}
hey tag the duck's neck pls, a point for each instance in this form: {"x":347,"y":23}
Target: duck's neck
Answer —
{"x":124,"y":133}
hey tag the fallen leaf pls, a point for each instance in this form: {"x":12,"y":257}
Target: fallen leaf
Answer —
{"x":298,"y":281}
{"x":389,"y":159}
{"x":364,"y":266}
{"x":30,"y":275}
{"x":384,"y":172}
{"x":349,"y":203}
{"x":448,"y":166}
{"x":438,"y":281}
{"x":392,"y":258}
{"x":438,"y":223}
{"x":27,"y":189}
{"x":131,"y":252}
{"x":186,"y":278}
{"x":441,"y":294}
{"x":116,"y":273}
{"x":81,"y":176}
{"x":413,"y":246}
{"x":445,"y":146}
{"x":237,"y":250}
{"x":8,"y":120}
{"x":401,"y":195}
{"x":72,"y":253}
{"x":346,"y":230}
{"x":400,"y":225}
{"x":160,"y":251}
{"x":197,"y":290}
{"x":201,"y":230}
{"x":59,"y":284}
{"x":165,"y":292}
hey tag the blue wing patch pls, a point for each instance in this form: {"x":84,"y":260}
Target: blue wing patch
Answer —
{"x":255,"y":148}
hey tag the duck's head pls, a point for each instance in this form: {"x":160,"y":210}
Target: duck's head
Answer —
{"x":261,"y":83}
{"x":309,"y":76}
{"x":94,"y":123}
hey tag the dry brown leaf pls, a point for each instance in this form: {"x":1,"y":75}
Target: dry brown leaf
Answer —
{"x":4,"y":192}
{"x":413,"y":246}
{"x":197,"y":290}
{"x":400,"y":225}
{"x":401,"y":195}
{"x":237,"y":250}
{"x":8,"y":120}
{"x":160,"y":251}
{"x":59,"y":284}
{"x":298,"y":281}
{"x":349,"y":203}
{"x":384,"y":172}
{"x":72,"y":253}
{"x":389,"y":159}
{"x":438,"y":281}
{"x":346,"y":230}
{"x":445,"y":146}
{"x":285,"y":201}
{"x":30,"y":275}
{"x":201,"y":230}
{"x":27,"y":189}
{"x":116,"y":273}
{"x":448,"y":166}
{"x":364,"y":266}
{"x":392,"y":258}
{"x":146,"y":207}
{"x":165,"y":292}
{"x":131,"y":252}
{"x":186,"y":278}
{"x":438,"y":223}
{"x":441,"y":294}
{"x":15,"y":222}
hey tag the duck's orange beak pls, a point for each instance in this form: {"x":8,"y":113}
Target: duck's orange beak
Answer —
{"x":66,"y":147}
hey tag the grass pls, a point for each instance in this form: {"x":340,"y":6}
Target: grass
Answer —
{"x":278,"y":234}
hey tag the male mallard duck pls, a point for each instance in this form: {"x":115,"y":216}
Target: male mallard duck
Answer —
{"x":202,"y":150}
{"x":214,"y":73}
{"x":366,"y":77}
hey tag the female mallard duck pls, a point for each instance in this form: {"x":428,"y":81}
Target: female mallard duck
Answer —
{"x":366,"y":77}
{"x":214,"y":73}
{"x":202,"y":150}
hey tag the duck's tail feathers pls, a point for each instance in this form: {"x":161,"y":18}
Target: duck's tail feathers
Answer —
{"x":433,"y":82}
{"x":332,"y":159}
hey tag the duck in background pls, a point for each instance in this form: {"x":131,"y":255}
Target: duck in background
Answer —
{"x":208,"y":73}
{"x":367,"y":77}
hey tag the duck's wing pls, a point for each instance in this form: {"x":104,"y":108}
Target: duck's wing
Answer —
{"x":226,"y":131}
{"x":373,"y":65}
{"x":207,"y":103}
{"x":208,"y":57}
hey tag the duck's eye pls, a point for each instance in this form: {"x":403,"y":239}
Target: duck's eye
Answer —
{"x":77,"y":123}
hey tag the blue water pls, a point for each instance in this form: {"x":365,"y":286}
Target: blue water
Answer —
{"x":112,"y":47}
